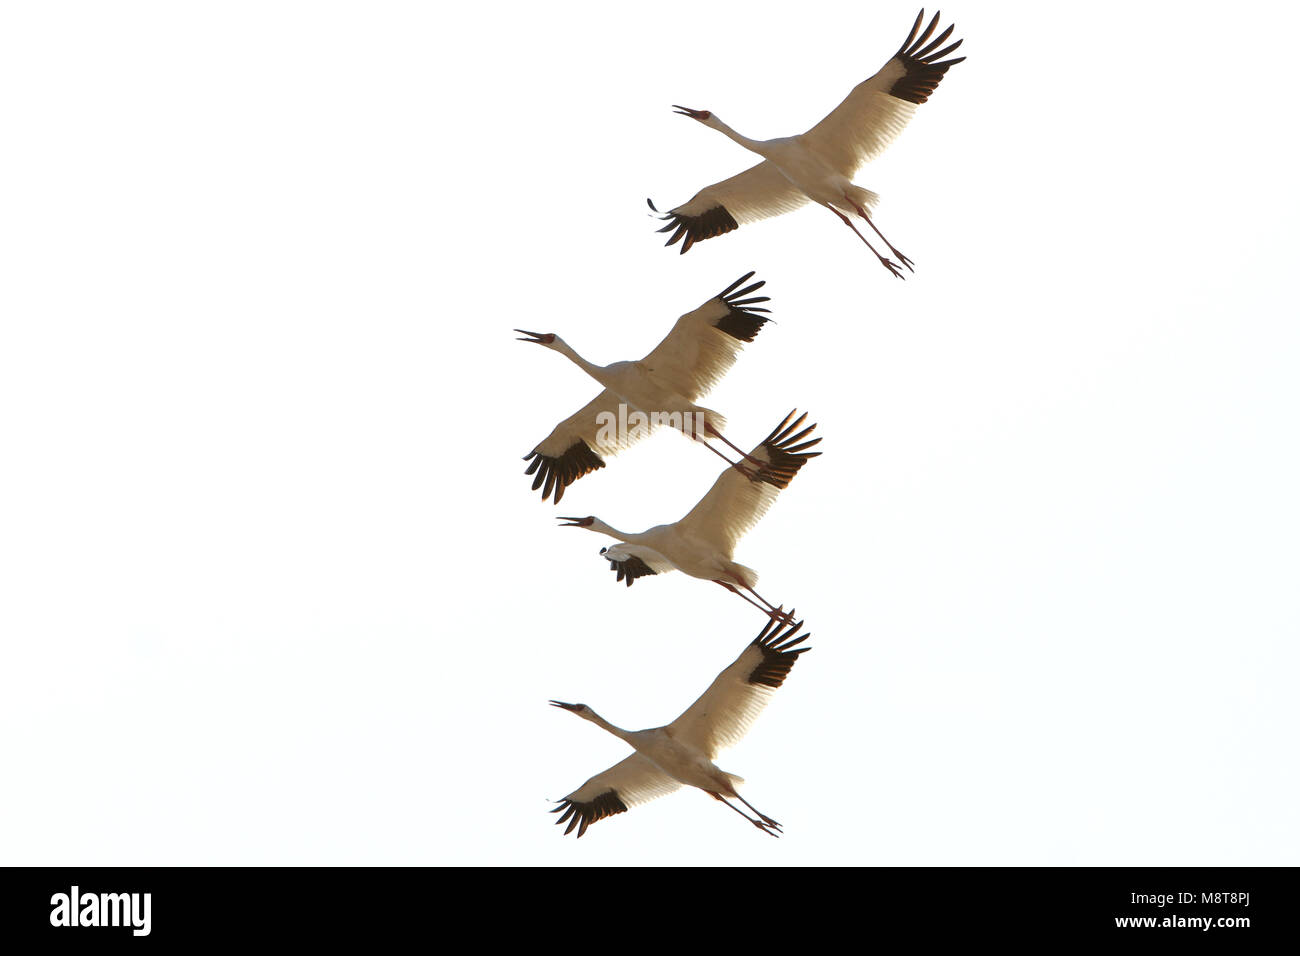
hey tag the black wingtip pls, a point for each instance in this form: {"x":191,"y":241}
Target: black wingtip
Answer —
{"x":556,"y":472}
{"x":692,"y":229}
{"x":785,"y":455}
{"x":920,"y":56}
{"x":780,"y":650}
{"x":731,"y":288}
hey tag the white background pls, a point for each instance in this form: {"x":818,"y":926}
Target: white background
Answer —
{"x":275,"y":588}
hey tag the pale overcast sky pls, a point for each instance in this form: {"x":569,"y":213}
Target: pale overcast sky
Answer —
{"x":275,"y":587}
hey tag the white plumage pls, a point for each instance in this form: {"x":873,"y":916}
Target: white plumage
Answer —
{"x":682,"y":752}
{"x":663,"y":387}
{"x":819,"y":165}
{"x":702,"y":543}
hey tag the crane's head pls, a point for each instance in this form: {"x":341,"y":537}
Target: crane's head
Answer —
{"x":582,"y":710}
{"x":702,"y":115}
{"x":586,"y":522}
{"x":575,"y":708}
{"x":539,"y":338}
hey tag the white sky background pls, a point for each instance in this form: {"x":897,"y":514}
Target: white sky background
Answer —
{"x":275,"y":588}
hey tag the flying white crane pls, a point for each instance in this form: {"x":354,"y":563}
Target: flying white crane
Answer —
{"x":682,"y":753}
{"x":662,"y":387}
{"x":702,"y":543}
{"x":819,"y":165}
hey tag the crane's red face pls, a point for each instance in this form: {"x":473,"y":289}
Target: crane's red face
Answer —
{"x":538,"y":338}
{"x":700,"y":115}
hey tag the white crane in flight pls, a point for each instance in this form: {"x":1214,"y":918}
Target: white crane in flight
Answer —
{"x":819,"y":165}
{"x":661,"y":388}
{"x":682,"y":753}
{"x":702,"y":543}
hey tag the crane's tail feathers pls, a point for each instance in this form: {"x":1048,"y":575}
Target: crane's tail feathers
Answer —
{"x":866,"y":199}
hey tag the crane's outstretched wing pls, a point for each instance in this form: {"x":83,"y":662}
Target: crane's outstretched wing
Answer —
{"x":878,"y":109}
{"x":575,"y":446}
{"x":738,"y":695}
{"x":613,"y":791}
{"x":757,"y":193}
{"x":704,"y":343}
{"x":633,"y":561}
{"x":735,"y":503}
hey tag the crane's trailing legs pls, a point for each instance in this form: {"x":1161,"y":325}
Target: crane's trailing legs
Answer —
{"x":766,"y":824}
{"x":863,"y":213}
{"x":750,"y":473}
{"x":732,"y":589}
{"x":887,"y":263}
{"x":739,"y":451}
{"x":758,"y":813}
{"x":778,"y":614}
{"x":740,"y":467}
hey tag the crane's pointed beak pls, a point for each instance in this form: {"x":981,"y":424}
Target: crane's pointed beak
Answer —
{"x":575,"y":522}
{"x":700,"y":115}
{"x":538,"y":338}
{"x":559,"y":703}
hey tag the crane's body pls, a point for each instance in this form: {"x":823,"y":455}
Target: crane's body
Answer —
{"x":637,"y":385}
{"x":663,"y":387}
{"x":802,"y":165}
{"x":682,"y":547}
{"x":703,"y":542}
{"x":684,"y":764}
{"x":819,"y":165}
{"x":683,"y":752}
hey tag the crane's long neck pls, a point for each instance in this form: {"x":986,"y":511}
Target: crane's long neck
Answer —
{"x":600,"y":721}
{"x":753,"y":145}
{"x":603,"y":528}
{"x":595,"y":371}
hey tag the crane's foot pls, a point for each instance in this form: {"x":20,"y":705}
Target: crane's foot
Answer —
{"x":863,"y":213}
{"x":892,"y":267}
{"x":762,"y":817}
{"x":748,"y":472}
{"x":765,"y":828}
{"x":781,"y":616}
